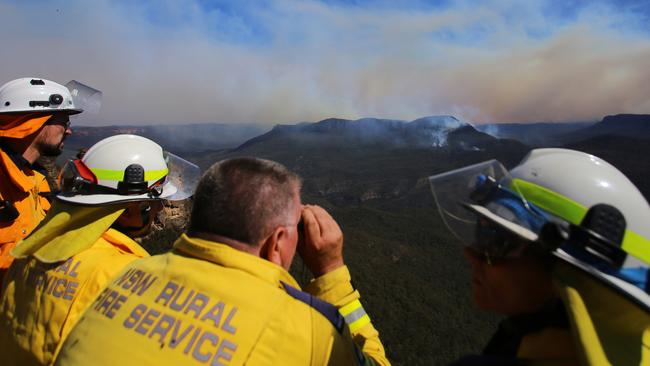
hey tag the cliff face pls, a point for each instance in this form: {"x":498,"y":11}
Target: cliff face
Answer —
{"x":628,"y":125}
{"x":627,"y":120}
{"x":635,"y":126}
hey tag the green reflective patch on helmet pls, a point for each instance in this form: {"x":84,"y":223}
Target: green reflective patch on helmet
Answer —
{"x":155,"y":175}
{"x":636,"y":245}
{"x":118,"y":175}
{"x":574,"y":212}
{"x":550,"y":201}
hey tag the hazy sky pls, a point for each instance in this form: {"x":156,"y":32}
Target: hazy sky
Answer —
{"x":284,"y":61}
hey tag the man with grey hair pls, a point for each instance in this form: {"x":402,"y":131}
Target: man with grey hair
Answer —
{"x":223,"y":296}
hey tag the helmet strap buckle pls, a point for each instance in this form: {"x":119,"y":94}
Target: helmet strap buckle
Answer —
{"x":600,"y":235}
{"x":133,"y":182}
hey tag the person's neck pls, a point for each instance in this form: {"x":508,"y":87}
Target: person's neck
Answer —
{"x":235,"y":244}
{"x":540,"y":299}
{"x":25,"y":147}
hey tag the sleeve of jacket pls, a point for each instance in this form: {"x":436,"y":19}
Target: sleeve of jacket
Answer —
{"x":335,"y":287}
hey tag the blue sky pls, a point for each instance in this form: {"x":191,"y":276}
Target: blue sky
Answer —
{"x":177,"y":61}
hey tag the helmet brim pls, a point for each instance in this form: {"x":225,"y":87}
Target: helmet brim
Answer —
{"x":74,"y":111}
{"x":626,"y":289}
{"x":510,"y":226}
{"x":169,"y":190}
{"x":69,"y":112}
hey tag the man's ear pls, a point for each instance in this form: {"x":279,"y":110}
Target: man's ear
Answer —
{"x":272,"y":246}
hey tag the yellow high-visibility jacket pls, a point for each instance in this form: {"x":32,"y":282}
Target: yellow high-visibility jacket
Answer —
{"x":23,"y":187}
{"x":41,"y":301}
{"x":550,"y":346}
{"x":608,"y":326}
{"x":207,"y":303}
{"x":540,"y":338}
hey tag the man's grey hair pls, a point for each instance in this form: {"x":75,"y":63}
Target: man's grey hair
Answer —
{"x":244,"y":199}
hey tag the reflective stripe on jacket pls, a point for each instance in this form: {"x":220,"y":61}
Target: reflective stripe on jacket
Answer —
{"x":207,"y":303}
{"x":42,"y":301}
{"x":23,"y":188}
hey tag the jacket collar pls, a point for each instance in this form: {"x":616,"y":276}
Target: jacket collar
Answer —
{"x":512,"y":330}
{"x":124,"y":242}
{"x":15,"y":157}
{"x":226,"y":256}
{"x":68,"y":230}
{"x":20,"y":161}
{"x":14,"y":172}
{"x":18,"y":168}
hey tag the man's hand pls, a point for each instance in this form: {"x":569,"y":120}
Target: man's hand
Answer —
{"x":322,"y":245}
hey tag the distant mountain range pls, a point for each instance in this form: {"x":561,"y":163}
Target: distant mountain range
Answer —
{"x":534,"y":134}
{"x":389,"y":156}
{"x":424,"y":132}
{"x":557,"y":134}
{"x":432,"y":131}
{"x":635,"y":126}
{"x":177,"y":138}
{"x":368,"y":138}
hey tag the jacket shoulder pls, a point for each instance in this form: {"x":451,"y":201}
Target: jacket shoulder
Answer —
{"x":124,"y":243}
{"x":329,"y":311}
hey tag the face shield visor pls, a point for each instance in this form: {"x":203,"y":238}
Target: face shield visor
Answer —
{"x":84,"y":97}
{"x":483,"y":211}
{"x":183,"y":176}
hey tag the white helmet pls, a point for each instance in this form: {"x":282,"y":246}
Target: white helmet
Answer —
{"x":28,"y":95}
{"x":36,"y":95}
{"x":571,"y":203}
{"x":126,"y":168}
{"x":567,"y":183}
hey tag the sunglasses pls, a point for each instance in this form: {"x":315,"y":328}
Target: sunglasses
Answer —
{"x":495,"y":244}
{"x":55,"y":120}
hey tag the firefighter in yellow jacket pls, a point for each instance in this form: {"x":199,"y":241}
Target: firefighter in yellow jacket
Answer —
{"x":561,"y":245}
{"x":33,"y":122}
{"x":107,"y":198}
{"x":223,"y":296}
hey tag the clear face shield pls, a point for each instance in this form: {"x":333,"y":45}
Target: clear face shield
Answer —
{"x":85,"y":97}
{"x":484,"y":211}
{"x":183,"y":175}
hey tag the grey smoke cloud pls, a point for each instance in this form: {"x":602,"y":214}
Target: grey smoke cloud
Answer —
{"x":501,"y":61}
